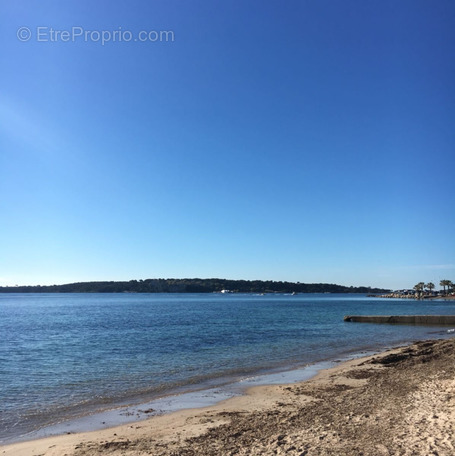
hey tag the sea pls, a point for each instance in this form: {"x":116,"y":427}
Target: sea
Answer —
{"x":71,"y":362}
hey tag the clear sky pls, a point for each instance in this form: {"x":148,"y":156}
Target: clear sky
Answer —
{"x":309,"y":140}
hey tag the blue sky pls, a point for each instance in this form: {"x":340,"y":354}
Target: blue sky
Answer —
{"x":307,"y":141}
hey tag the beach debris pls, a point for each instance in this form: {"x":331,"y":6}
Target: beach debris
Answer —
{"x":117,"y":444}
{"x":150,"y":410}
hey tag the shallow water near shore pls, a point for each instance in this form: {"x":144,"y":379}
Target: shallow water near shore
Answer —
{"x":173,"y":403}
{"x":67,"y":356}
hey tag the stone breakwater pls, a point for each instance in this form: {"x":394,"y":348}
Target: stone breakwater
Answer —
{"x":400,"y":295}
{"x":436,"y":320}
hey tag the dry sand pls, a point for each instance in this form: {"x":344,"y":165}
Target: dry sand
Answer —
{"x":401,"y":402}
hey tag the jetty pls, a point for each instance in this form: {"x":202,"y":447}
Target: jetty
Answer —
{"x":429,"y":320}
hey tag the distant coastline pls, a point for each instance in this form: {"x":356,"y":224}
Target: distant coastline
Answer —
{"x":191,"y":286}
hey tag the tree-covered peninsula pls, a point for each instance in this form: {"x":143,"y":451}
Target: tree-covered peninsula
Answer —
{"x":191,"y":286}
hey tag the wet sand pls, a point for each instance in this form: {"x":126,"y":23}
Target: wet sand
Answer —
{"x":401,"y":402}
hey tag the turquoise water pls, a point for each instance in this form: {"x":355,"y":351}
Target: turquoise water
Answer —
{"x":65,"y":355}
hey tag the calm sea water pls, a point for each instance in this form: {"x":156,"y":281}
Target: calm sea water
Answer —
{"x":63,"y":355}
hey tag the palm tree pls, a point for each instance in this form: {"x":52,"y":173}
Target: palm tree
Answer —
{"x":419,"y":288}
{"x":444,"y":284}
{"x":450,"y":285}
{"x":430,"y":286}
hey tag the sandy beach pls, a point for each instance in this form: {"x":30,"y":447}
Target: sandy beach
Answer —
{"x":400,"y":402}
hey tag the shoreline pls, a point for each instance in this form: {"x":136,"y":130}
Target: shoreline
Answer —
{"x":226,"y":426}
{"x":205,"y":396}
{"x":328,"y":339}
